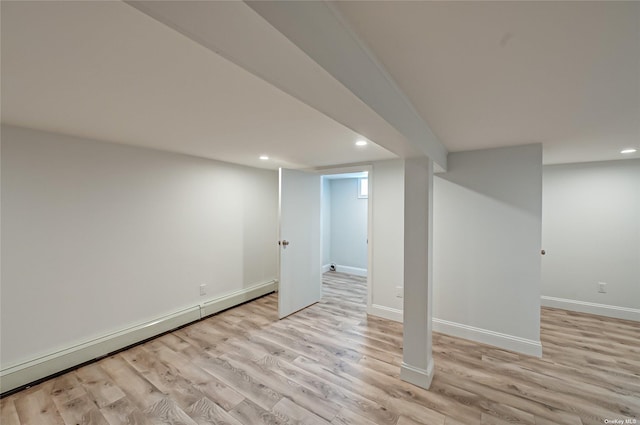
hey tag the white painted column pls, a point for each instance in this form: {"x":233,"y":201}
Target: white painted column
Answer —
{"x":417,"y":362}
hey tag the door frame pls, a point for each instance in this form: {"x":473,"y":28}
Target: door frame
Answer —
{"x":369,"y":170}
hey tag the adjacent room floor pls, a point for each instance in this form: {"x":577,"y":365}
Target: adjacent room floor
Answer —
{"x":330,"y":363}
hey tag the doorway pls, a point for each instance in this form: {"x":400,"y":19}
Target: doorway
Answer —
{"x":346,"y":223}
{"x":305,"y":230}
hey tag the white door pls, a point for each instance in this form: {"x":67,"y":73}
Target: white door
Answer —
{"x":300,"y":270}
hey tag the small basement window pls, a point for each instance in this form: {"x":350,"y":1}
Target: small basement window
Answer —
{"x":363,"y":188}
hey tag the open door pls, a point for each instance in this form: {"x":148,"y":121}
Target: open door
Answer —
{"x":299,"y":238}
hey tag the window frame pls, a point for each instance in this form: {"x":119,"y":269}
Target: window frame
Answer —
{"x":360,"y":194}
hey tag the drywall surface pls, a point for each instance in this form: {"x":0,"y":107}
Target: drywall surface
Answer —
{"x":387,"y":186}
{"x":325,"y":211}
{"x":591,"y":233}
{"x":487,"y":233}
{"x":97,"y":237}
{"x":348,"y":224}
{"x":417,"y":361}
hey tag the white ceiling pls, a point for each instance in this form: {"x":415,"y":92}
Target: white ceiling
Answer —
{"x":106,"y":71}
{"x":481,"y":74}
{"x":487,"y":74}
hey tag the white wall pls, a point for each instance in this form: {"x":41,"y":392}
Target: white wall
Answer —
{"x":97,"y":237}
{"x":326,"y":221}
{"x":591,"y":233}
{"x":487,"y":237}
{"x":387,"y":191}
{"x":348,"y":224}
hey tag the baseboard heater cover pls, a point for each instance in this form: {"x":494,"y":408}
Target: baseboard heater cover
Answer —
{"x":32,"y":371}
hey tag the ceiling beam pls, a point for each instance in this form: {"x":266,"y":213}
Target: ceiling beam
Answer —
{"x":239,"y":34}
{"x":322,"y":33}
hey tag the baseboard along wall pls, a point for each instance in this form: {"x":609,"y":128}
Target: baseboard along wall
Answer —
{"x":357,"y":271}
{"x":507,"y":342}
{"x":613,"y":311}
{"x":33,"y":370}
{"x":386,"y":312}
{"x":510,"y":342}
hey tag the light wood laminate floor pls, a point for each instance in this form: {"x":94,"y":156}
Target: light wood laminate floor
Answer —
{"x":331,"y":364}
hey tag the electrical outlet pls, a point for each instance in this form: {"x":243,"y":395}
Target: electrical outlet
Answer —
{"x":203,"y":289}
{"x":399,"y":292}
{"x":602,"y":287}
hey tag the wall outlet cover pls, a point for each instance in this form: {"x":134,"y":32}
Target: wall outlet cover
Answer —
{"x":602,"y":287}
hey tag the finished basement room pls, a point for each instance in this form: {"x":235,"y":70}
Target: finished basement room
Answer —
{"x":320,"y":212}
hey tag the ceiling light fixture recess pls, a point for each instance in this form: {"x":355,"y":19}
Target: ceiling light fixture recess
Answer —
{"x":361,"y":143}
{"x":629,"y":150}
{"x":264,"y":157}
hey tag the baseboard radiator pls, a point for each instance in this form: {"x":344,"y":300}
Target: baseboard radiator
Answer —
{"x":31,"y":371}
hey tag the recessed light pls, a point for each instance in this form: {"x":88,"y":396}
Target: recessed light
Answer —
{"x":361,"y":143}
{"x":264,"y":157}
{"x":629,"y":150}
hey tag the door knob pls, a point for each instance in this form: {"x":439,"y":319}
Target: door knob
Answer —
{"x":285,"y":243}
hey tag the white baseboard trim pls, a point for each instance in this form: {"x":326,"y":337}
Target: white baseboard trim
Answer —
{"x":35,"y":369}
{"x":417,"y":376}
{"x":485,"y":336}
{"x":326,"y":268}
{"x":235,"y":298}
{"x":614,"y":311}
{"x":351,"y":270}
{"x":385,"y":312}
